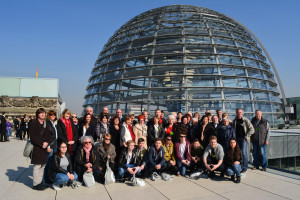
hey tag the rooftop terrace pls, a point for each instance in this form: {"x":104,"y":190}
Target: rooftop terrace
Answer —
{"x":16,"y":183}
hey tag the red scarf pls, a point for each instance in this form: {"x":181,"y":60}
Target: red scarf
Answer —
{"x":160,"y":120}
{"x":68,"y":126}
{"x":131,"y":132}
{"x":169,"y":129}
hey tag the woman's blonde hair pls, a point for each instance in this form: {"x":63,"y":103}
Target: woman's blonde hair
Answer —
{"x":66,"y":111}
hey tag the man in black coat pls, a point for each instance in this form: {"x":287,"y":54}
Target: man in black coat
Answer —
{"x":3,"y":128}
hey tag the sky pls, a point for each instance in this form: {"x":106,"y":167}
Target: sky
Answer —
{"x":64,"y":37}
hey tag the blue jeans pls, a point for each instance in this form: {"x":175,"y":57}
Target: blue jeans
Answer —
{"x":63,"y":178}
{"x":243,"y":146}
{"x":232,"y":170}
{"x":259,"y":154}
{"x":181,"y":167}
{"x":122,"y":171}
{"x":8,"y":133}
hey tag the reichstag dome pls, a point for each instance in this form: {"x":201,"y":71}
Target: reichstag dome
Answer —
{"x":183,"y":58}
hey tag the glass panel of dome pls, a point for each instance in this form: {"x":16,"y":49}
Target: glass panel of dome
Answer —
{"x":262,"y":96}
{"x":203,"y":81}
{"x":194,"y":94}
{"x":231,"y":106}
{"x":167,"y":70}
{"x":254,"y":73}
{"x":227,"y":71}
{"x":266,"y":107}
{"x":223,"y":41}
{"x":200,"y":59}
{"x":220,"y":33}
{"x":205,"y":105}
{"x":248,"y":54}
{"x":226,"y":50}
{"x":199,"y":49}
{"x":237,"y":94}
{"x":115,"y":65}
{"x":168,"y":49}
{"x":229,"y":60}
{"x":169,"y":24}
{"x":195,"y":31}
{"x":136,"y":72}
{"x":142,"y":43}
{"x":138,"y":62}
{"x":168,"y":40}
{"x":233,"y":82}
{"x":140,"y":51}
{"x":170,"y":31}
{"x":167,"y":81}
{"x":119,"y":55}
{"x":135,"y":83}
{"x":144,"y":33}
{"x":259,"y":84}
{"x":239,"y":72}
{"x":168,"y":60}
{"x":110,"y":96}
{"x":193,"y":24}
{"x":252,"y":63}
{"x":197,"y":39}
{"x":245,"y":45}
{"x":111,"y":75}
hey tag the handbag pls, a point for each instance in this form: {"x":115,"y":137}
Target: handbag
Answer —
{"x":88,"y":179}
{"x":109,"y":175}
{"x":137,"y":182}
{"x":29,"y":146}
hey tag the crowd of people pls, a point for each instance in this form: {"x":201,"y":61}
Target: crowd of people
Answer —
{"x":66,"y":147}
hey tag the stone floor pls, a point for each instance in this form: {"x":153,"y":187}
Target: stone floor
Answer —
{"x":16,"y":183}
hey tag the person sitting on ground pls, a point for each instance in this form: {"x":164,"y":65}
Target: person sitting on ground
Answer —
{"x":61,"y":170}
{"x":233,"y":160}
{"x":156,"y":158}
{"x":169,"y":155}
{"x":128,"y":161}
{"x":142,"y":157}
{"x":106,"y":151}
{"x":87,"y":159}
{"x":196,"y":156}
{"x":183,"y":152}
{"x":213,"y":157}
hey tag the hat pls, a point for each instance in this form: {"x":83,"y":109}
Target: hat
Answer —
{"x":131,"y":113}
{"x":141,"y":117}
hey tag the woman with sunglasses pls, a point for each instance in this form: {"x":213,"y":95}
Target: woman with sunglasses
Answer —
{"x":87,"y":158}
{"x":106,"y":151}
{"x":183,"y":152}
{"x":52,"y":122}
{"x":61,"y":169}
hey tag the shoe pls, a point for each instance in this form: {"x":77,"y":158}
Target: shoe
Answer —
{"x":155,"y":176}
{"x":74,"y":185}
{"x":238,"y":179}
{"x":254,"y":168}
{"x":38,"y":187}
{"x":222,"y":175}
{"x":264,"y":169}
{"x":56,"y":187}
{"x":232,"y":178}
{"x":122,"y":180}
{"x":211,"y":175}
{"x":178,"y":174}
{"x":244,"y":170}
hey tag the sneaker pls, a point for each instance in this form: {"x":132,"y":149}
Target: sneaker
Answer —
{"x":74,"y":185}
{"x":155,"y":176}
{"x":38,"y":187}
{"x":244,"y":170}
{"x":263,"y":169}
{"x":56,"y":187}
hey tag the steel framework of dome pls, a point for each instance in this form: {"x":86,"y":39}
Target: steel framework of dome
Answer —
{"x":184,"y":58}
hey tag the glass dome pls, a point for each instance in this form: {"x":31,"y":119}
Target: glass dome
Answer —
{"x":183,"y":58}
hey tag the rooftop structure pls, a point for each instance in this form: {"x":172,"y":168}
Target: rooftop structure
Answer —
{"x":184,"y":58}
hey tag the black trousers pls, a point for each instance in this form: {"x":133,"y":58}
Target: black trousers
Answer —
{"x":221,"y":168}
{"x":171,"y":169}
{"x":3,"y":136}
{"x":81,"y":169}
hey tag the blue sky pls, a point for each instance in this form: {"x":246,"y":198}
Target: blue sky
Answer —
{"x":64,"y":37}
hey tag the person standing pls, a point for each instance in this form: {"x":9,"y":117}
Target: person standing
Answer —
{"x":260,"y":139}
{"x":8,"y":129}
{"x":24,"y":126}
{"x":67,"y":132}
{"x":243,"y":130}
{"x":140,"y":130}
{"x":3,"y":128}
{"x":17,"y":127}
{"x":40,"y":136}
{"x":126,"y":132}
{"x":155,"y":130}
{"x":225,"y":134}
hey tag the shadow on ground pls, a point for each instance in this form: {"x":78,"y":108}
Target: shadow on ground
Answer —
{"x":21,"y":175}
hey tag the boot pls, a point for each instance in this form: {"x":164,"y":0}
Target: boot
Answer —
{"x":238,"y":179}
{"x":232,"y":178}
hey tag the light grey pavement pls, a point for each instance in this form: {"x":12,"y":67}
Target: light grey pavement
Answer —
{"x":16,"y":183}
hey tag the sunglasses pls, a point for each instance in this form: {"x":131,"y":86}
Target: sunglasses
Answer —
{"x":106,"y":139}
{"x":52,"y":114}
{"x":87,"y":142}
{"x":169,"y":139}
{"x":182,"y":136}
{"x":74,"y":116}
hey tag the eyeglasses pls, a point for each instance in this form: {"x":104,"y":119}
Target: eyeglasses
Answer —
{"x":106,"y":139}
{"x":63,"y":147}
{"x":74,"y":116}
{"x":87,"y":142}
{"x":169,"y":139}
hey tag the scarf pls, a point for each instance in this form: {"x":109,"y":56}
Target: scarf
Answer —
{"x":131,"y":132}
{"x":87,"y":152}
{"x":69,"y":130}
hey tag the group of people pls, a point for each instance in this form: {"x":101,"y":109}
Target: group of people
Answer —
{"x":67,"y":147}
